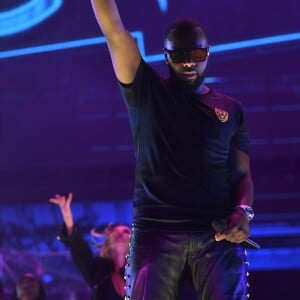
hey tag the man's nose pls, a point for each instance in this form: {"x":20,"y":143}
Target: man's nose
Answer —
{"x":189,"y":63}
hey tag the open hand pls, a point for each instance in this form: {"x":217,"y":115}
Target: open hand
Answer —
{"x":64,"y":203}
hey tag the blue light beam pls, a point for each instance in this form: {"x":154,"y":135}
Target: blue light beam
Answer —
{"x":138,"y":35}
{"x":256,"y":42}
{"x":163,"y":5}
{"x":27,"y":15}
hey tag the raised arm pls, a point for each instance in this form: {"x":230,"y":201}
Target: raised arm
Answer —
{"x":64,"y":203}
{"x":123,"y":49}
{"x":82,"y":255}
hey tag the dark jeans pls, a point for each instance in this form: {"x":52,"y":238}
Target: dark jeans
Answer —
{"x":159,"y":262}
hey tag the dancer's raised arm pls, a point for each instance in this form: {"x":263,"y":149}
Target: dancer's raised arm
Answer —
{"x":64,"y":203}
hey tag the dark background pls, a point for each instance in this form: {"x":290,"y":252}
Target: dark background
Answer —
{"x":64,"y":127}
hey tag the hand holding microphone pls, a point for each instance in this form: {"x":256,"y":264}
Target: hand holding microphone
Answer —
{"x":219,"y":225}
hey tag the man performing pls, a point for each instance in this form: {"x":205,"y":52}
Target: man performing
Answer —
{"x":192,"y":167}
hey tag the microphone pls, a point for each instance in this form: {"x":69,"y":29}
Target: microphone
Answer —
{"x":219,"y":226}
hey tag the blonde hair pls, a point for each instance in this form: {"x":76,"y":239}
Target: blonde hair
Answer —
{"x":105,"y":246}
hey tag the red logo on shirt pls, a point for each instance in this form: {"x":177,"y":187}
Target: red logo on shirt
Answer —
{"x":221,"y":114}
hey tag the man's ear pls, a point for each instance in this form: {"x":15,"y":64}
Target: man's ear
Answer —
{"x":208,"y":52}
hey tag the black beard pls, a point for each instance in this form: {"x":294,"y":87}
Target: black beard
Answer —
{"x":179,"y":83}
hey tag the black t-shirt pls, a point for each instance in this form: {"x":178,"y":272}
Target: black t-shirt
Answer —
{"x":182,"y":146}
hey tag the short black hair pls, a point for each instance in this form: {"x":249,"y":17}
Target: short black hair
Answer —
{"x":180,"y":27}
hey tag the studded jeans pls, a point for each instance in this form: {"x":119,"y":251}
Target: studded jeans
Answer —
{"x":159,"y":262}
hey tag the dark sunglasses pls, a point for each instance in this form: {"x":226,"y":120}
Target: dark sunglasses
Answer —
{"x":182,"y":55}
